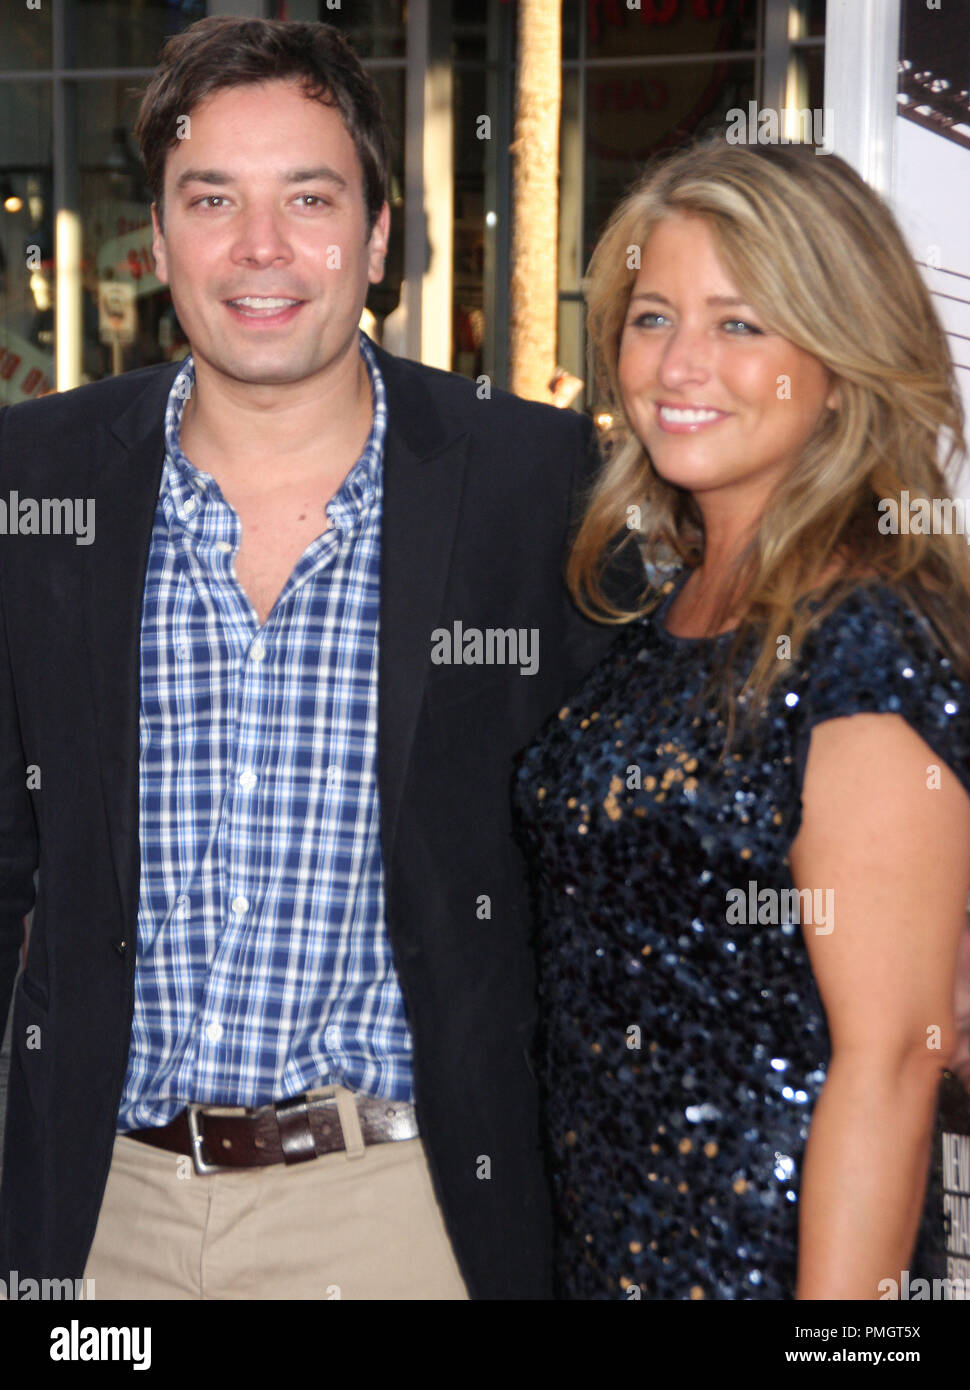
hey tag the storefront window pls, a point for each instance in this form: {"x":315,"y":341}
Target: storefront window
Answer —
{"x":482,"y":40}
{"x":471,"y":152}
{"x":635,"y":81}
{"x":638,"y":81}
{"x":116,"y":239}
{"x":26,"y":242}
{"x":27,"y":41}
{"x":374,"y":28}
{"x":118,"y":34}
{"x":813,"y":18}
{"x":662,"y":28}
{"x":384,"y":298}
{"x":633,"y":113}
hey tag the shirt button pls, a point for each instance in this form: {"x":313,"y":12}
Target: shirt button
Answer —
{"x":223,"y":547}
{"x":257,"y":651}
{"x":240,"y":904}
{"x":190,"y":505}
{"x":182,"y":903}
{"x":331,"y":1036}
{"x":247,"y":780}
{"x":183,"y":651}
{"x":213,"y":1031}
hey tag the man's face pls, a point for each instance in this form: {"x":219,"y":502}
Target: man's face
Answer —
{"x":264,"y":200}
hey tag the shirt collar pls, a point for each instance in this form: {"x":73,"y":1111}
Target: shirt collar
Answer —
{"x":361,"y":487}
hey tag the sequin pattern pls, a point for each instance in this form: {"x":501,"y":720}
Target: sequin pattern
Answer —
{"x":679,"y":1053}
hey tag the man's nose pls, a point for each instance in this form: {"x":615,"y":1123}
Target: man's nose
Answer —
{"x":261,"y":237}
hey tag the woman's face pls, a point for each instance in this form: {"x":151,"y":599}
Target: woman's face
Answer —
{"x":721,"y":404}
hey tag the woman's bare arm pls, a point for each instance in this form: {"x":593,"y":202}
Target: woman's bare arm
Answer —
{"x":886,"y":826}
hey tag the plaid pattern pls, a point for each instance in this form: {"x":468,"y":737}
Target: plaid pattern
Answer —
{"x":263,"y":963}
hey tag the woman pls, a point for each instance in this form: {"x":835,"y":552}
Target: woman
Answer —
{"x":740,"y":1078}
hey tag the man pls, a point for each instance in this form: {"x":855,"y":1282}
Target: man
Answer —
{"x":271,"y":1039}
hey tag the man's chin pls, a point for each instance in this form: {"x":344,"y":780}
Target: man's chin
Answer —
{"x":263,"y":367}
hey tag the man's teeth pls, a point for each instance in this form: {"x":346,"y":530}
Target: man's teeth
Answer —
{"x":264,"y":303}
{"x":687,"y":417}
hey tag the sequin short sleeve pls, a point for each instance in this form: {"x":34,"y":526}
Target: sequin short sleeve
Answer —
{"x":875,"y":655}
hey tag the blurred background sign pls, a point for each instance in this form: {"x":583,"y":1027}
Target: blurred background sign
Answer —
{"x":25,"y":370}
{"x":116,"y":311}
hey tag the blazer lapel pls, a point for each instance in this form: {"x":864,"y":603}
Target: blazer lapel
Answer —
{"x":124,"y":478}
{"x":424,"y":471}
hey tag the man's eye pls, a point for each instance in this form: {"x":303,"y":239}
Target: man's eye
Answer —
{"x":211,"y":198}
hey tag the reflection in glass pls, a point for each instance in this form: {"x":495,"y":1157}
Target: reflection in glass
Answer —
{"x":26,"y":242}
{"x":634,"y":112}
{"x":118,"y":34}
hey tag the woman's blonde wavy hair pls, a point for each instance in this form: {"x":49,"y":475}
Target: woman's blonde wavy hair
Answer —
{"x":818,"y":254}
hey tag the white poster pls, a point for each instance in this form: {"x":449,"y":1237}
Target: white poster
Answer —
{"x":931,"y":183}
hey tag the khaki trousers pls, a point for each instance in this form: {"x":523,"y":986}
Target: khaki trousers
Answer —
{"x":362,"y":1224}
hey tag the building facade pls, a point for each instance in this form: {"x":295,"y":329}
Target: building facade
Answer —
{"x":78,"y":296}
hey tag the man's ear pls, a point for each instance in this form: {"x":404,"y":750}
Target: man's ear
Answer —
{"x":158,"y":248}
{"x":377,"y":245}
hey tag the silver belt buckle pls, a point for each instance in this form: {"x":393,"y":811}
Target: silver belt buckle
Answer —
{"x":198,"y":1139}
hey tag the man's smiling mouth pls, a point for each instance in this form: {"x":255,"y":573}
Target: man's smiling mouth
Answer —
{"x":263,"y":307}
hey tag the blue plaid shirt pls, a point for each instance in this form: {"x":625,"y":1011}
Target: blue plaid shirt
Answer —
{"x":263,"y":964}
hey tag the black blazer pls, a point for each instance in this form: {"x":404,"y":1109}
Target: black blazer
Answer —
{"x":476,"y":512}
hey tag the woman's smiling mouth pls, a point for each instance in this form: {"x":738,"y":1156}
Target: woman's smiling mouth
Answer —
{"x":687,"y":419}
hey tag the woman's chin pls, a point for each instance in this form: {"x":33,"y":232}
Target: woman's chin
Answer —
{"x":690,"y":477}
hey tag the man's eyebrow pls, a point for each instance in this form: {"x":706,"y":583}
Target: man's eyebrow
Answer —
{"x":321,"y":174}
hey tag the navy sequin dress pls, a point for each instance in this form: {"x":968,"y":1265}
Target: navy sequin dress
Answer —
{"x":682,"y":1041}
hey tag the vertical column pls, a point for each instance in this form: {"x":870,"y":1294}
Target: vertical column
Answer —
{"x":861,"y":53}
{"x":68,"y":315}
{"x":499,"y":86}
{"x":429,"y":183}
{"x":774,"y":72}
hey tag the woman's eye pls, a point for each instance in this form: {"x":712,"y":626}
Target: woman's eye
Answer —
{"x":735,"y":327}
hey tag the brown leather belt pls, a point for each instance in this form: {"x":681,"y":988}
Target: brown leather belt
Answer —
{"x":220,"y":1139}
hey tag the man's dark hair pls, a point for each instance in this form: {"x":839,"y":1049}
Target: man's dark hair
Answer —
{"x":224,"y":51}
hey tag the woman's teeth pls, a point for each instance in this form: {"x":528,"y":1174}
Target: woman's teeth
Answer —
{"x":687,"y":417}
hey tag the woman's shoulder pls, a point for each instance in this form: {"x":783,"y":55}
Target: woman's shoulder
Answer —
{"x":871,"y":625}
{"x":875,"y":651}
